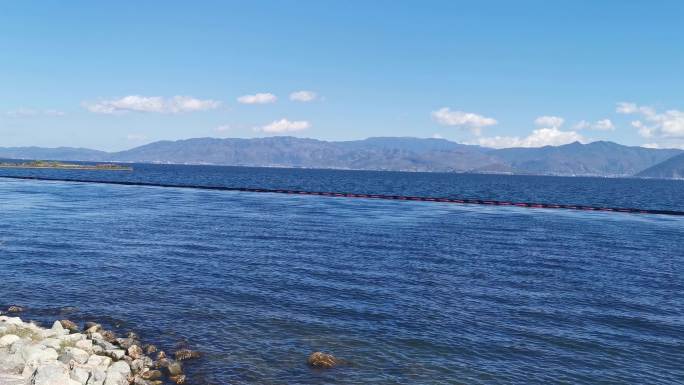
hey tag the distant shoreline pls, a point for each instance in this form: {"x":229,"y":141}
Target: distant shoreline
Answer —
{"x":65,"y":166}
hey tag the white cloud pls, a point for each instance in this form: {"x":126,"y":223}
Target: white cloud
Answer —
{"x":446,"y":117}
{"x":260,"y":98}
{"x":158,"y":104}
{"x":437,"y":136}
{"x":668,"y":124}
{"x":601,"y":125}
{"x":284,"y":125}
{"x":303,"y":96}
{"x":650,"y":145}
{"x":626,"y":108}
{"x":28,"y":112}
{"x":549,"y":121}
{"x":538,"y":138}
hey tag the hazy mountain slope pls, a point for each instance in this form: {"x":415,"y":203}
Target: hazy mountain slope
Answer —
{"x":370,"y":154}
{"x":400,"y":154}
{"x":59,"y":153}
{"x":672,"y":168}
{"x":597,"y":158}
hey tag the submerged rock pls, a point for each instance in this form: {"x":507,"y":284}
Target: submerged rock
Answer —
{"x":174,"y":368}
{"x":186,"y":354}
{"x":151,"y":375}
{"x":322,"y":360}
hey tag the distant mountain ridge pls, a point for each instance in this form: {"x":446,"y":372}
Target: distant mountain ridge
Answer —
{"x":672,"y":168}
{"x":380,"y":153}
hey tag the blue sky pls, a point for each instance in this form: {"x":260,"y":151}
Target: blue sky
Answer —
{"x":113,"y":75}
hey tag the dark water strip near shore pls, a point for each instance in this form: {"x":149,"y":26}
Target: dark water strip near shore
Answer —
{"x":469,"y":201}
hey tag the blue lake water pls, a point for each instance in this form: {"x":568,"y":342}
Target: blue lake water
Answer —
{"x":406,"y":292}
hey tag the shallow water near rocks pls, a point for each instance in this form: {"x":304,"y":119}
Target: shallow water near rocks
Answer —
{"x":405,"y":292}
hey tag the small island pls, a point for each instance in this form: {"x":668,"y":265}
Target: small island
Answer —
{"x":65,"y":166}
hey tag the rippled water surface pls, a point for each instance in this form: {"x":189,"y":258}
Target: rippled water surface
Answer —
{"x":406,"y":292}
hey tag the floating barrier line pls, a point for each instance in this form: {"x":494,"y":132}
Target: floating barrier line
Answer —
{"x":486,"y":202}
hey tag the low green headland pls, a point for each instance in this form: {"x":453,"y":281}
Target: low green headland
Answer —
{"x":65,"y":166}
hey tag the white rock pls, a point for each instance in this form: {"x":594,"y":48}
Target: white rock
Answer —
{"x":11,"y":321}
{"x":8,"y":340}
{"x":97,"y":377}
{"x":11,"y":379}
{"x":54,"y":373}
{"x":117,"y":374}
{"x":101,"y":362}
{"x":117,"y":354}
{"x":58,"y":328}
{"x":54,"y":343}
{"x":76,"y":354}
{"x":10,"y":362}
{"x":72,"y":337}
{"x":86,"y":345}
{"x":35,"y":355}
{"x":80,"y":374}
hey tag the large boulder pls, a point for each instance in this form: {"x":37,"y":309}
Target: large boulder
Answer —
{"x":97,"y":377}
{"x":8,"y":340}
{"x":118,"y":373}
{"x":54,"y":373}
{"x":69,"y":354}
{"x":80,"y":374}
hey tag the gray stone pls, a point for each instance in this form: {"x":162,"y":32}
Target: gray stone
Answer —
{"x":80,"y":374}
{"x":101,"y":362}
{"x":117,"y":374}
{"x":54,"y":343}
{"x":117,"y":354}
{"x":54,"y":373}
{"x":86,"y":345}
{"x":97,"y":377}
{"x":76,"y":354}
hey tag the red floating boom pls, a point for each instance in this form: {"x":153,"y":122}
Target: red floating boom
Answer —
{"x":487,"y":202}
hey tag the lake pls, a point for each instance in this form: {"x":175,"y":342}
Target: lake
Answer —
{"x":405,"y":292}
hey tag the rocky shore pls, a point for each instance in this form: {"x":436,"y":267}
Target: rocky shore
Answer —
{"x":67,"y":354}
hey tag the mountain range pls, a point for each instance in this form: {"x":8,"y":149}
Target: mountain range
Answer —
{"x":601,"y":158}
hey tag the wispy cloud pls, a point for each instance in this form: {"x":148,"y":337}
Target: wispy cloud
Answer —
{"x":654,"y":124}
{"x":549,"y":134}
{"x":600,"y":125}
{"x":538,"y":138}
{"x":260,"y":98}
{"x":549,"y":121}
{"x":157,"y":104}
{"x":284,"y":125}
{"x":28,"y":112}
{"x":447,"y":117}
{"x":303,"y":96}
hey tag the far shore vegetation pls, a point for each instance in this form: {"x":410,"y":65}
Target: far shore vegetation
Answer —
{"x":65,"y":166}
